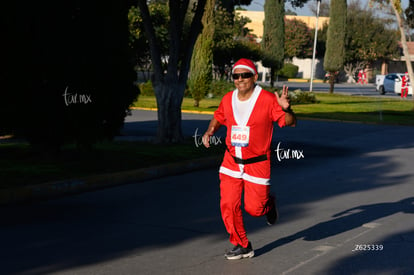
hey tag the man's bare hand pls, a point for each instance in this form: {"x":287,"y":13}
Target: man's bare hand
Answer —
{"x":212,"y":128}
{"x":283,"y":100}
{"x":206,"y":140}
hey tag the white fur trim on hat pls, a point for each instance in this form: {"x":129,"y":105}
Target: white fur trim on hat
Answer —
{"x":245,"y":64}
{"x":245,"y":67}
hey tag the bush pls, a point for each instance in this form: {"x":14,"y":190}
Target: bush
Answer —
{"x":299,"y":97}
{"x":220,"y":88}
{"x":296,"y":96}
{"x":289,"y":70}
{"x":68,"y":77}
{"x":146,"y":88}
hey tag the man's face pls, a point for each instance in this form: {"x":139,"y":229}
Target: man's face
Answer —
{"x":244,"y":84}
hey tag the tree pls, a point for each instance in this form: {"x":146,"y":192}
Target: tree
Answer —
{"x":298,"y":39}
{"x":232,"y":41}
{"x":224,"y":42}
{"x":228,"y":5}
{"x":229,"y":36}
{"x":409,"y":19}
{"x":335,"y":44}
{"x":67,"y":74}
{"x":169,"y":86}
{"x":202,"y":61}
{"x":372,"y":42}
{"x":323,"y":8}
{"x":409,"y":15}
{"x":290,"y":12}
{"x":273,"y":36}
{"x":396,"y":7}
{"x":138,"y":39}
{"x":321,"y":42}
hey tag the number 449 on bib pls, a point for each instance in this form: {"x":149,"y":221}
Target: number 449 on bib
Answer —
{"x":240,"y":135}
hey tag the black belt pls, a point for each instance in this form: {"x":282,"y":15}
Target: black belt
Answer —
{"x":249,"y":160}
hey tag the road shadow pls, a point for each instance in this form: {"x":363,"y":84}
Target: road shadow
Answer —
{"x":96,"y":227}
{"x":140,"y":218}
{"x":344,"y":221}
{"x":147,"y":130}
{"x":395,"y":258}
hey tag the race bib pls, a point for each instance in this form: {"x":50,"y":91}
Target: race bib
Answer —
{"x":240,"y":135}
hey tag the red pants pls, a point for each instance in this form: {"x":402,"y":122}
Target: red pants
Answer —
{"x":256,"y":198}
{"x":404,"y":92}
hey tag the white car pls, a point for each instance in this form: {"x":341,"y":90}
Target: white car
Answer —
{"x":391,"y":83}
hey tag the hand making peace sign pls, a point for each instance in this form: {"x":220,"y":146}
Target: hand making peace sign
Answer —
{"x":283,"y":100}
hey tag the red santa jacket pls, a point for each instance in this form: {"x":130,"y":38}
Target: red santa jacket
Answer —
{"x":262,"y":113}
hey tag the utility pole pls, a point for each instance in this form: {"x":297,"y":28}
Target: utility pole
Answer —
{"x":314,"y":44}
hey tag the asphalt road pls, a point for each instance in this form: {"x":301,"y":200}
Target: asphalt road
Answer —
{"x":346,"y":206}
{"x":343,"y":88}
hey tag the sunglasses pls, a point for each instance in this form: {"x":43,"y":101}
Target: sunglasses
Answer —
{"x":242,"y":75}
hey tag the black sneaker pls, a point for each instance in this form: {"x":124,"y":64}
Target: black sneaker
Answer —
{"x":272,"y":215}
{"x":239,"y":252}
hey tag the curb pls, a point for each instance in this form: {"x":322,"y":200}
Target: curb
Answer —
{"x":62,"y":188}
{"x":182,"y":111}
{"x":298,"y":117}
{"x":301,"y":80}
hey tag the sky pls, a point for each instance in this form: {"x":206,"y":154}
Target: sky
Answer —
{"x":257,"y":5}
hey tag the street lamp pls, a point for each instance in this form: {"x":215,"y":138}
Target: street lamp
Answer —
{"x":314,"y":44}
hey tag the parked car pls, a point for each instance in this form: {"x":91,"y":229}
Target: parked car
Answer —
{"x":391,"y":83}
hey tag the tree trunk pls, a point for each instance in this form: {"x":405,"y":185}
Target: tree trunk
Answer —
{"x":331,"y":82}
{"x":196,"y":103}
{"x":169,"y":96}
{"x":272,"y":76}
{"x":384,"y":67}
{"x":169,"y":88}
{"x":404,"y":44}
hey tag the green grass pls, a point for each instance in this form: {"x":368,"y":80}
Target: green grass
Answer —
{"x":207,"y":104}
{"x":359,"y":109}
{"x":331,"y":106}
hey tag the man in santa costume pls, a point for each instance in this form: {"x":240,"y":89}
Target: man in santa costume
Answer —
{"x":404,"y":85}
{"x":248,"y":113}
{"x":364,"y":77}
{"x":360,"y":76}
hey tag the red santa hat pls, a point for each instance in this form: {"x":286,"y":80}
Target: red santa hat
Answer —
{"x":246,"y":64}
